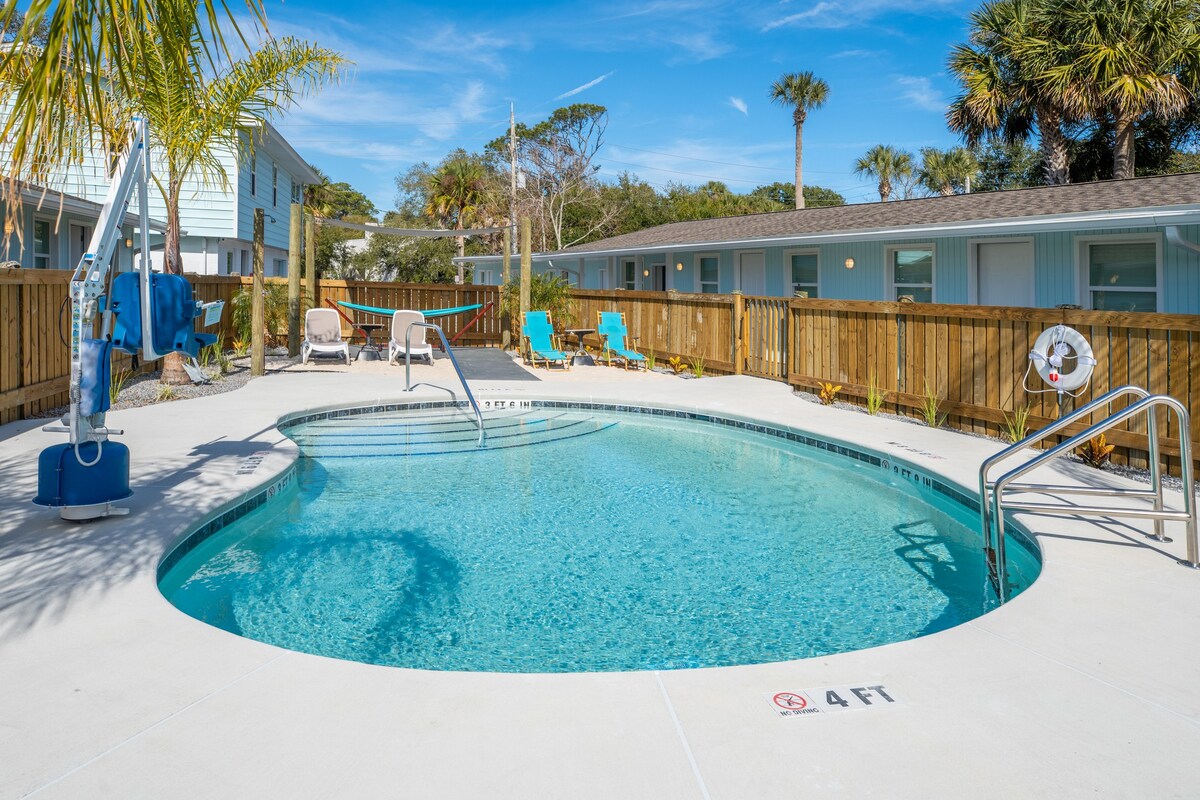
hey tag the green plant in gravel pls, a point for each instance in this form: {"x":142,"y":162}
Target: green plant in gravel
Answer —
{"x":165,"y":392}
{"x":876,"y":396}
{"x":650,"y":360}
{"x":224,"y":362}
{"x":1016,"y":427}
{"x":117,"y":382}
{"x":931,"y":408}
{"x":1096,"y":452}
{"x":677,"y":364}
{"x":698,"y":366}
{"x":275,"y":310}
{"x":241,"y":346}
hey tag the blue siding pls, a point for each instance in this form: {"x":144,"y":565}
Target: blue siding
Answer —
{"x":1056,"y":257}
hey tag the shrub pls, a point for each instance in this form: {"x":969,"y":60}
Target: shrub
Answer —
{"x":931,"y":408}
{"x":1096,"y":452}
{"x":1016,"y":427}
{"x":677,"y":364}
{"x":275,"y":313}
{"x":165,"y":392}
{"x":828,"y":393}
{"x":547,"y":292}
{"x":117,"y":382}
{"x":876,"y":397}
{"x":698,"y":366}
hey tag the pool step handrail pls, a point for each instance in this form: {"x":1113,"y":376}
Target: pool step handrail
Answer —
{"x":409,"y":385}
{"x":991,"y":493}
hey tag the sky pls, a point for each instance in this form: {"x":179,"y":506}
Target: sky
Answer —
{"x":685,"y":83}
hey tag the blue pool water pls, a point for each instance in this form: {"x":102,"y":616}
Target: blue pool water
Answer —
{"x":584,"y":541}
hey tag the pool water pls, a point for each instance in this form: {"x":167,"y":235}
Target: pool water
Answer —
{"x":584,"y":541}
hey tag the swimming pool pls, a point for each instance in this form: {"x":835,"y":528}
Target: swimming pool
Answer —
{"x":584,"y":538}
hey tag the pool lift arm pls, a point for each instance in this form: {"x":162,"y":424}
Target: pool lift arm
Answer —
{"x":85,"y":475}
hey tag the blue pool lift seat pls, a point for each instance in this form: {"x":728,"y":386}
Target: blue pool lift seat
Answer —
{"x":174,"y":313}
{"x":610,"y":327}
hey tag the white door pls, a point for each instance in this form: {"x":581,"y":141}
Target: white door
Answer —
{"x":1005,"y":274}
{"x":81,"y":237}
{"x":752,"y":274}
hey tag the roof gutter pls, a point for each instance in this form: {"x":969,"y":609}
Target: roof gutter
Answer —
{"x":1176,"y":238}
{"x":1126,"y":218}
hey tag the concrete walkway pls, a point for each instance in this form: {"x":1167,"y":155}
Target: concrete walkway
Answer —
{"x":1087,"y":685}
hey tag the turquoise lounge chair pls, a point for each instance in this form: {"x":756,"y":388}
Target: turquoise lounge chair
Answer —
{"x":537,"y":331}
{"x":610,"y":326}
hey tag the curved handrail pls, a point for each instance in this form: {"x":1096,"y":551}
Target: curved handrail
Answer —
{"x":1146,"y":405}
{"x":1034,"y":438}
{"x":408,"y":384}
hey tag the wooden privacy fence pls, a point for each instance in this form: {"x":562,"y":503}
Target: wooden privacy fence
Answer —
{"x":35,"y":364}
{"x":971,"y":358}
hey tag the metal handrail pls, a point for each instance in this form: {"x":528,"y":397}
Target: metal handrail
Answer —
{"x":409,"y":385}
{"x":1146,"y":405}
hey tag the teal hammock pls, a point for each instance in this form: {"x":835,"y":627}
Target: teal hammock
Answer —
{"x":387,"y":312}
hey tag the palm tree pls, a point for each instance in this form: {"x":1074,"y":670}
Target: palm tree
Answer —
{"x":193,"y":112}
{"x":804,"y":92}
{"x":1005,"y":70}
{"x":455,"y":193}
{"x":1137,"y":57}
{"x":60,"y":83}
{"x":946,"y":172}
{"x":885,"y":164}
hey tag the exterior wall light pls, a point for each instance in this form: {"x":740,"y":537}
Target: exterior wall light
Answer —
{"x":129,"y":243}
{"x":679,"y":266}
{"x":849,"y":263}
{"x":645,"y":273}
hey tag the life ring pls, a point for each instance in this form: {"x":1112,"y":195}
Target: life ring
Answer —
{"x":1053,"y":347}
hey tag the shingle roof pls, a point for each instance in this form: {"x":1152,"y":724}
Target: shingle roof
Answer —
{"x":1079,"y":198}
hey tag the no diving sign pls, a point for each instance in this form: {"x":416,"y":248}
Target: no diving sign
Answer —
{"x":830,"y":699}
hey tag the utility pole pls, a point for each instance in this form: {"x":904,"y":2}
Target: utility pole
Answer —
{"x":512,"y":162}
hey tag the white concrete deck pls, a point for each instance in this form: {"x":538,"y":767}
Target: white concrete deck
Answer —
{"x":1087,"y":685}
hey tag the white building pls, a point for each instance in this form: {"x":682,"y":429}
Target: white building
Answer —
{"x":217,"y":220}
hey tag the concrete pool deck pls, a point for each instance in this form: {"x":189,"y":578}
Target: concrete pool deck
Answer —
{"x":1086,"y":685}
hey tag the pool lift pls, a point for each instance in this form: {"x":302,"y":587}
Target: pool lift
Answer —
{"x":143,"y":313}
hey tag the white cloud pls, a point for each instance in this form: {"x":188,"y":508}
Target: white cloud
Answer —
{"x":739,"y":104}
{"x":921,"y":93}
{"x":585,"y":86}
{"x":818,"y":13}
{"x":833,"y":14}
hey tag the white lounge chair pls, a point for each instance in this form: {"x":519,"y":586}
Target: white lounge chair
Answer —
{"x":323,"y":334}
{"x":418,"y":348}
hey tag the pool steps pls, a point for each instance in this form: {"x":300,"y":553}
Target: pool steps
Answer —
{"x":394,"y":435}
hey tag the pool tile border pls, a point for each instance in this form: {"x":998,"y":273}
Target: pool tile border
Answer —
{"x":898,"y":468}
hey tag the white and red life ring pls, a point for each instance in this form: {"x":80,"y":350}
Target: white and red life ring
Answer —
{"x":1053,"y":348}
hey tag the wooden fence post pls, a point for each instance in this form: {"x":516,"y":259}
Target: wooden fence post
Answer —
{"x":526,"y":265}
{"x":295,"y":243}
{"x":505,"y":277}
{"x":258,"y":353}
{"x":310,"y":261}
{"x":739,"y":340}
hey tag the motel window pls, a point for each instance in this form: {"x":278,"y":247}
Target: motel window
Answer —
{"x":253,"y":175}
{"x":297,"y":192}
{"x":629,"y":274}
{"x":244,"y":265}
{"x":43,"y":236}
{"x":1123,"y":276}
{"x":912,"y":274}
{"x":274,"y":185}
{"x":229,"y":263}
{"x":281,"y":267}
{"x":604,"y":277}
{"x":485,"y":277}
{"x":709,"y":274}
{"x":804,"y":274}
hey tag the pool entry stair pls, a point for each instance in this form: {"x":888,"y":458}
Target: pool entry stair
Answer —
{"x":450,"y":430}
{"x":993,"y":494}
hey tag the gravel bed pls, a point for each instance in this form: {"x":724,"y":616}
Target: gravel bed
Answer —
{"x":1132,"y":473}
